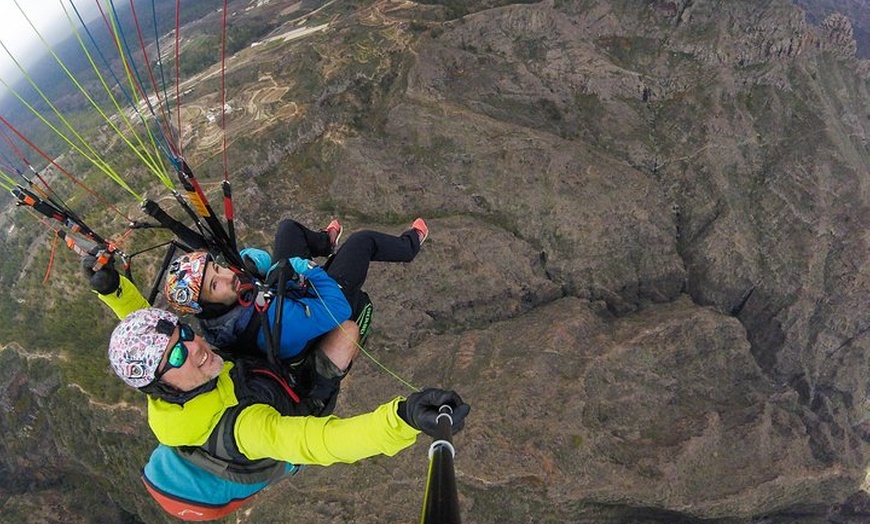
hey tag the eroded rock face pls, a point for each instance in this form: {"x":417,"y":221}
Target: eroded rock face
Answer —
{"x":23,"y":422}
{"x":839,"y":35}
{"x":65,"y":458}
{"x":643,"y":161}
{"x":662,"y":409}
{"x":648,"y":266}
{"x":579,"y":416}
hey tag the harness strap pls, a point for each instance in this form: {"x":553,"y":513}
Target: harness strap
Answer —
{"x":281,"y":381}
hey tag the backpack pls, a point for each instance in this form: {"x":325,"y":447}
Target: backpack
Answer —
{"x":190,"y":492}
{"x":213,"y":480}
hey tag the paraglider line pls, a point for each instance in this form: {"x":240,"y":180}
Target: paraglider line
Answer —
{"x":359,"y":346}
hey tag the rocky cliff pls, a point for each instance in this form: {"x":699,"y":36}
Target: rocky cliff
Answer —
{"x":648,"y":268}
{"x":856,"y":11}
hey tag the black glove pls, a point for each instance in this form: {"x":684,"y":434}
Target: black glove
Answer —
{"x":105,"y":281}
{"x":420,"y":410}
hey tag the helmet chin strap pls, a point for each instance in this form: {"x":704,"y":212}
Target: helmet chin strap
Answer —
{"x":164,"y":391}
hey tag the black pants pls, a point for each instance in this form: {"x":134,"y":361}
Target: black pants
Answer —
{"x":295,"y":240}
{"x":350,"y":264}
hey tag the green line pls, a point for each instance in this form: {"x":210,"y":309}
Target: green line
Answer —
{"x":148,"y":162}
{"x":12,"y":183}
{"x":101,"y":165}
{"x":98,"y":162}
{"x":161,"y":174}
{"x":155,"y":165}
{"x":362,"y":349}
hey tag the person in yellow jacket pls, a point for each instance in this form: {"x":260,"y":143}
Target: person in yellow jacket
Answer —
{"x":194,"y":400}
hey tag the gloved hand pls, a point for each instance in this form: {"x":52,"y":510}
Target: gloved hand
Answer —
{"x":106,"y":280}
{"x":420,"y":410}
{"x":279,"y":268}
{"x":300,"y":265}
{"x":257,"y":261}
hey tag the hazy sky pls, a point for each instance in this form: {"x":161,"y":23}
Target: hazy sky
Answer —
{"x":19,"y":37}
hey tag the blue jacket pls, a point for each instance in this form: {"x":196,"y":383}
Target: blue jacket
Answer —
{"x":322,"y":309}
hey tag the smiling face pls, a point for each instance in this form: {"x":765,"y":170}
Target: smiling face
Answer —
{"x":201,"y":365}
{"x":219,"y":285}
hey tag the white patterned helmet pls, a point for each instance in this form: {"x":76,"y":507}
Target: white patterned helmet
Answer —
{"x":138,"y":343}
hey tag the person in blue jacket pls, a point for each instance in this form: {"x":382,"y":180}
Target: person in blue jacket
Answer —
{"x":196,"y":284}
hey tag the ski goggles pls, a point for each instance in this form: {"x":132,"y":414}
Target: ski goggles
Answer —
{"x":178,"y":352}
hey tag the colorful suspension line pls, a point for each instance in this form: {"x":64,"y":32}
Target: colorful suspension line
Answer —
{"x":46,"y":192}
{"x":75,"y":180}
{"x":172,"y":139}
{"x":178,"y":73}
{"x":146,"y":159}
{"x":79,"y":246}
{"x":229,"y":212}
{"x":134,"y":78}
{"x":6,"y":181}
{"x":149,"y":159}
{"x":72,"y":222}
{"x":217,"y":232}
{"x":43,"y":205}
{"x":222,"y":241}
{"x":98,"y":162}
{"x":359,"y":346}
{"x":52,"y":210}
{"x":94,"y":157}
{"x":143,"y":48}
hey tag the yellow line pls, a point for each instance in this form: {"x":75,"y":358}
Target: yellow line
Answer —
{"x":362,"y":349}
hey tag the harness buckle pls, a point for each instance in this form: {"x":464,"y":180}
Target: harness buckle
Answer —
{"x":262,"y":300}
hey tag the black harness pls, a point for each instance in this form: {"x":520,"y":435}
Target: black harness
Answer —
{"x":255,"y":382}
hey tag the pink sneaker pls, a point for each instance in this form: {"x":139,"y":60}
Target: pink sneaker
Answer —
{"x":421,"y":228}
{"x":334,"y":231}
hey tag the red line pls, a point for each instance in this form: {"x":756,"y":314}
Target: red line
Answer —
{"x":177,"y":74}
{"x":224,"y":92}
{"x":165,"y":122}
{"x":62,"y":170}
{"x":280,"y":381}
{"x":50,"y":259}
{"x":14,"y":147}
{"x":116,"y":39}
{"x":106,"y":21}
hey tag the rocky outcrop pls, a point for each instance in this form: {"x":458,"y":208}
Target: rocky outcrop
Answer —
{"x":857,"y":13}
{"x":838,"y":36}
{"x":643,"y":160}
